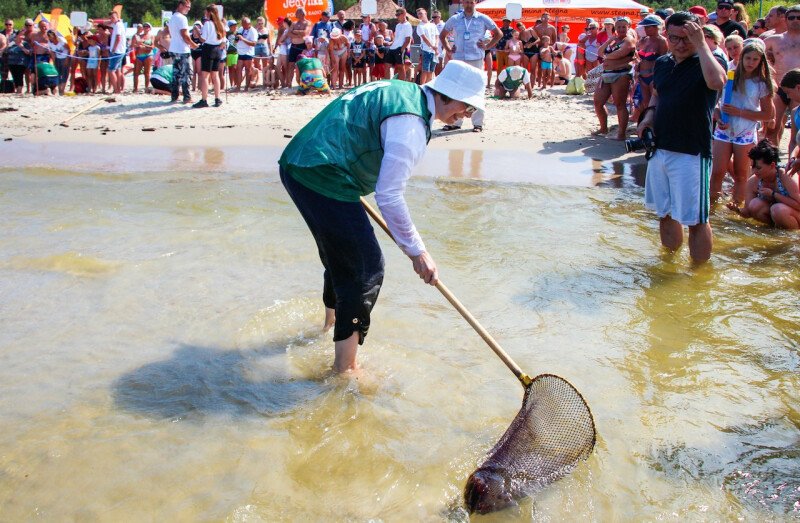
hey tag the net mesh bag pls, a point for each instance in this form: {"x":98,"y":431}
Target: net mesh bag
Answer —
{"x":552,"y":432}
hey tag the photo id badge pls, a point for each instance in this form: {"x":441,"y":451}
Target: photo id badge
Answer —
{"x":466,"y":35}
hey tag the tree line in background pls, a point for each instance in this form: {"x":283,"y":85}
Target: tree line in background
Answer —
{"x":137,"y":11}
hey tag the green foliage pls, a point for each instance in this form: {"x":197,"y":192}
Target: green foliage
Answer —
{"x":751,"y":7}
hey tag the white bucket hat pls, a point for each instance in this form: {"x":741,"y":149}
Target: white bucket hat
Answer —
{"x":460,"y":81}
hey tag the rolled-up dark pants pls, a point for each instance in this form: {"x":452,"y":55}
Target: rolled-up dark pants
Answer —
{"x":349,"y":252}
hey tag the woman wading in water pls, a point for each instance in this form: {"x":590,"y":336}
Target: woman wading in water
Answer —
{"x":325,"y":174}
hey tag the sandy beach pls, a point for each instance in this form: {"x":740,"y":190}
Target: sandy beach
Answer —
{"x":551,"y":122}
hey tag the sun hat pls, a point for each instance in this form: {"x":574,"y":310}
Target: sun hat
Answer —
{"x":650,"y":21}
{"x":698,"y":10}
{"x":592,"y":24}
{"x":336,"y":32}
{"x":608,"y":21}
{"x":460,"y":81}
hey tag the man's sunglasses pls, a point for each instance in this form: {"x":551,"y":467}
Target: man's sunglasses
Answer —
{"x":792,"y":18}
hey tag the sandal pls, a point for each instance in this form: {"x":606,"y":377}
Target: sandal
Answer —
{"x":477,"y":129}
{"x":451,"y":127}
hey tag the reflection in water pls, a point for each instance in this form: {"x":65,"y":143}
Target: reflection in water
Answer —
{"x":455,"y":160}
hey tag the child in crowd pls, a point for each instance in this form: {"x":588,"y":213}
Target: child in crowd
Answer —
{"x":751,"y":103}
{"x":546,"y":53}
{"x":379,"y":69}
{"x":772,"y":196}
{"x":92,"y":63}
{"x":733,"y":46}
{"x":562,"y":70}
{"x":358,"y":54}
{"x":514,"y":47}
{"x":309,"y":51}
{"x":323,"y":55}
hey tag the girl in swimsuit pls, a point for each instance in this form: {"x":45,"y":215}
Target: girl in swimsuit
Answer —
{"x":281,"y":50}
{"x":514,"y":47}
{"x":772,"y":195}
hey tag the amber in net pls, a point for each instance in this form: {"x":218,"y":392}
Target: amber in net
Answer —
{"x":552,"y":432}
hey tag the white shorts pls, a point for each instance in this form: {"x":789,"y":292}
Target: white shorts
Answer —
{"x":677,"y":185}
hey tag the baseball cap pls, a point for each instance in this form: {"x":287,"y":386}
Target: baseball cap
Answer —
{"x":724,"y":3}
{"x":663,"y":13}
{"x":231,"y":23}
{"x":650,"y":21}
{"x":279,"y":20}
{"x":698,"y":10}
{"x":608,"y":21}
{"x":644,"y":11}
{"x":460,"y":81}
{"x":506,"y":19}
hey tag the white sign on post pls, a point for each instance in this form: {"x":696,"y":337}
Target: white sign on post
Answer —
{"x":514,"y":11}
{"x":369,"y":7}
{"x":78,"y":19}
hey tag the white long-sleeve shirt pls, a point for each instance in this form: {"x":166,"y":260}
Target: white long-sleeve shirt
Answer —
{"x":404,"y":141}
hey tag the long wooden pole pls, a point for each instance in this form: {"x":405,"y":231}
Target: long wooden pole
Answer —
{"x":521,"y":376}
{"x":64,"y":123}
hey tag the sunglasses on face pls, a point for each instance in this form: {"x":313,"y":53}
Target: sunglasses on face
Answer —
{"x":793,"y":18}
{"x":723,"y":8}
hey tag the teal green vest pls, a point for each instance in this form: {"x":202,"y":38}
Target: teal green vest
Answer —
{"x":46,"y":69}
{"x":508,"y":83}
{"x":338,"y":154}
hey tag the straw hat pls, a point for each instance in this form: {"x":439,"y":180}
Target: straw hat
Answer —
{"x":460,"y":81}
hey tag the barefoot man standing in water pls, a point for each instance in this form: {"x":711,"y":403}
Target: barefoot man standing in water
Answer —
{"x":783,"y":53}
{"x":325,"y":172}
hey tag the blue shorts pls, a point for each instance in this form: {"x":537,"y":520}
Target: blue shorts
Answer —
{"x":428,"y":61}
{"x":115,"y":62}
{"x":546,"y":66}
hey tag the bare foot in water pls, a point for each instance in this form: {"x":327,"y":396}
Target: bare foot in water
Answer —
{"x":330,"y":319}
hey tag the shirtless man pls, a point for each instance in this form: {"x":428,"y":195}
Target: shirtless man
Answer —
{"x":545,"y":29}
{"x":775,"y":22}
{"x":297,"y":35}
{"x":40,"y":41}
{"x":162,"y":42}
{"x":783,"y":53}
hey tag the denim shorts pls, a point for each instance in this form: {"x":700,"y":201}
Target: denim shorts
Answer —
{"x":261,"y":51}
{"x":428,"y":61}
{"x":115,"y":62}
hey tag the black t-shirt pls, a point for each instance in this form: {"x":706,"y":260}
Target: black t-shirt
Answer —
{"x":382,"y":49}
{"x":685,"y":106}
{"x":730,"y":27}
{"x":507,"y":34}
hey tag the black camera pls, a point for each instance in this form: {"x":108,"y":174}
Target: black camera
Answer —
{"x":236,"y":38}
{"x":646,"y":142}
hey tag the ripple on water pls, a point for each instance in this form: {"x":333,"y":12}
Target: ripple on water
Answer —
{"x":73,"y":263}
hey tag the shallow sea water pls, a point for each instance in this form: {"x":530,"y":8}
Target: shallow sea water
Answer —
{"x":160,"y":356}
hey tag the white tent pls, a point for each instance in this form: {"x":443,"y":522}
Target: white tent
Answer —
{"x":571,"y":11}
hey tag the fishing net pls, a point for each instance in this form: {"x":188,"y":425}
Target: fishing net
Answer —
{"x":552,"y":432}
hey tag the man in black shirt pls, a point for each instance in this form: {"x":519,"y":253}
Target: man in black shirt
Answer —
{"x":724,"y":22}
{"x":686,"y":85}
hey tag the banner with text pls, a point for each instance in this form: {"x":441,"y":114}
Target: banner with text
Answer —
{"x":283,"y":8}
